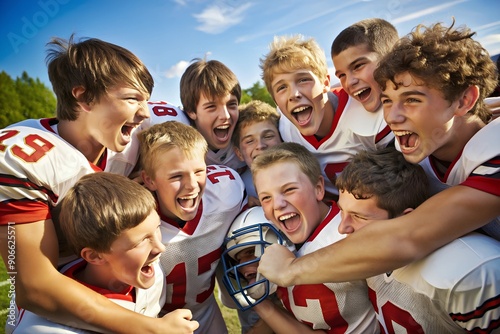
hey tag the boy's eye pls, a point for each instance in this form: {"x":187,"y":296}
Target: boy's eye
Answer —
{"x":264,"y":198}
{"x":279,"y":88}
{"x":386,"y":101}
{"x":358,"y":66}
{"x":412,"y":100}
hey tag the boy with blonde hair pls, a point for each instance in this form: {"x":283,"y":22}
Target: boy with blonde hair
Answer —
{"x":294,"y":203}
{"x":111,"y":222}
{"x":296,"y":75}
{"x":197,"y":204}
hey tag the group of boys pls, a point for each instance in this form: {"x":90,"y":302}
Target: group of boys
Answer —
{"x":433,"y":109}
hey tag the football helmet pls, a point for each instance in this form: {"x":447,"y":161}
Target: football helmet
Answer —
{"x":246,"y":240}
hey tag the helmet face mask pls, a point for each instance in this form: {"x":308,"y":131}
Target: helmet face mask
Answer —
{"x":249,"y":230}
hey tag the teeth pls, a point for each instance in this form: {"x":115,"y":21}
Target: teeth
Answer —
{"x":359,"y":92}
{"x":222,"y":127}
{"x":402,"y":133}
{"x":288,"y":216}
{"x":299,"y":109}
{"x":189,"y":197}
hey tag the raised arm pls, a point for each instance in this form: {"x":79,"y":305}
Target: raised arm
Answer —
{"x":38,"y":287}
{"x":387,"y":245}
{"x":280,"y":320}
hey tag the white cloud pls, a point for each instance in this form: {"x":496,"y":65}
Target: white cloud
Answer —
{"x":177,"y":70}
{"x":219,"y":17}
{"x":425,"y":12}
{"x":491,"y":43}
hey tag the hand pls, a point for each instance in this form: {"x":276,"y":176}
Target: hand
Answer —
{"x":253,"y":201}
{"x":179,"y":321}
{"x":275,"y":264}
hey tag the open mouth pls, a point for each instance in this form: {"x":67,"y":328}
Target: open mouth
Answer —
{"x":363,"y":94}
{"x":126,"y":130}
{"x":302,"y":114}
{"x":188,"y":202}
{"x":250,"y":276}
{"x":222,"y":132}
{"x":290,"y":222}
{"x":148,"y":270}
{"x":407,"y":139}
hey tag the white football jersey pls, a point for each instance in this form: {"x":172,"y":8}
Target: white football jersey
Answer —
{"x":144,"y":301}
{"x":354,"y":129}
{"x":193,"y":251}
{"x":455,"y":289}
{"x":478,"y":166}
{"x":37,"y":169}
{"x":333,"y":307}
{"x":226,"y":157}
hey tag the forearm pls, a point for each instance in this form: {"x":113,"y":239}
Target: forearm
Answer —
{"x":387,"y":245}
{"x":280,"y":320}
{"x":41,"y":289}
{"x":80,"y":307}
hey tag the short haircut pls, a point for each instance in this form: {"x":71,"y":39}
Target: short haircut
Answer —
{"x":443,"y":58}
{"x":288,"y":152}
{"x":385,"y":175}
{"x":376,"y":34}
{"x":99,"y":207}
{"x":253,"y":112}
{"x":289,"y":54}
{"x":95,"y":65}
{"x":210,"y":78}
{"x":163,"y":137}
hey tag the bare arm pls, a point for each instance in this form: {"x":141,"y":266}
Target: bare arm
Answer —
{"x":493,"y":103}
{"x":386,"y":245}
{"x":280,"y":320}
{"x":38,"y":288}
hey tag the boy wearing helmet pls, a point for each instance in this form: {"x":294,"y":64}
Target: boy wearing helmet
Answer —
{"x":294,"y":202}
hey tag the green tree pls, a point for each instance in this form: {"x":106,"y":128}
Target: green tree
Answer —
{"x":257,"y":92}
{"x":24,"y":98}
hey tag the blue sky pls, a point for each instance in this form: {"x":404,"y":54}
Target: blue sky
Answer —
{"x":168,"y":34}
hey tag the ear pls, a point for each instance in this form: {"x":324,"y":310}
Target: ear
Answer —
{"x":468,"y":100}
{"x":406,"y":211}
{"x":78,"y":95}
{"x":326,"y":84}
{"x":148,"y":181}
{"x":92,"y":256}
{"x":320,"y":189}
{"x":238,"y":153}
{"x":192,"y":115}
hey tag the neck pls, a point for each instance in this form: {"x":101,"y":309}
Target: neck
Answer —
{"x":100,"y":276}
{"x":71,"y":131}
{"x":463,"y":129}
{"x":327,"y":121}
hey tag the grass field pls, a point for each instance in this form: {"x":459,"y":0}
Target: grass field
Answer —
{"x":230,"y":315}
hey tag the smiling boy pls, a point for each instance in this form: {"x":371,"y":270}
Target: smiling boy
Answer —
{"x":111,"y":222}
{"x":97,"y":111}
{"x":296,"y":75}
{"x":210,"y":94}
{"x":436,"y":110}
{"x":293,"y":202}
{"x":197,"y":204}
